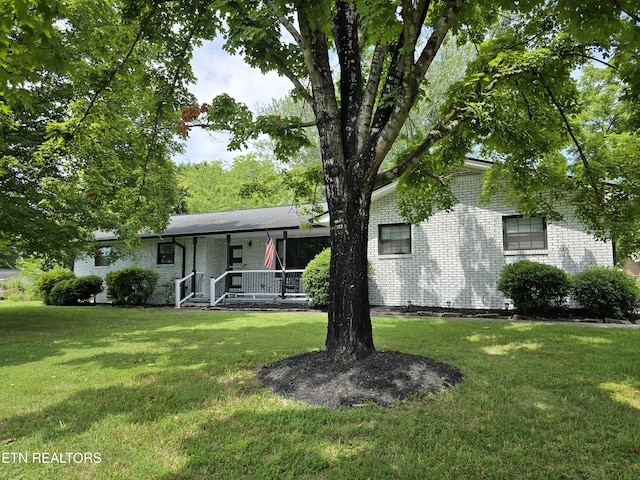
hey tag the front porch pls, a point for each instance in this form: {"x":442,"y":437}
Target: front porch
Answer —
{"x":236,"y":286}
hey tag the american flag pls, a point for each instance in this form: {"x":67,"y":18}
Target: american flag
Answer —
{"x":269,"y":252}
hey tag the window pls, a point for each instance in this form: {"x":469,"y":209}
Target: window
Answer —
{"x":101,"y":258}
{"x":524,"y":233}
{"x":166,"y":253}
{"x":300,"y":251}
{"x":393,"y":239}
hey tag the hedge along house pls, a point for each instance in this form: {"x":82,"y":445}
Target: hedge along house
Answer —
{"x":211,"y":257}
{"x":452,"y":260}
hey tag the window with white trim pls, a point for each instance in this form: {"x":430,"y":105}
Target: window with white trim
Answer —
{"x":394,"y":239}
{"x":521,"y":233}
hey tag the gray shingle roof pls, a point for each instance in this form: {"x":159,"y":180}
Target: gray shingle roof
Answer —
{"x":232,"y":221}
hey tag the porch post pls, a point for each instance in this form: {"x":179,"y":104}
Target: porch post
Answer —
{"x":226,"y":280}
{"x":193,"y":281}
{"x":283,"y":264}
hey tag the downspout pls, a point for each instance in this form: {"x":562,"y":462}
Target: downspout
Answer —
{"x":184,"y":265}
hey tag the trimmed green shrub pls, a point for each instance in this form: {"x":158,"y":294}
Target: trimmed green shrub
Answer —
{"x":63,"y":293}
{"x":88,"y":287}
{"x":131,"y":285}
{"x":534,"y":288}
{"x":606,"y":292}
{"x":74,"y":290}
{"x":48,"y":280}
{"x":315,"y":279}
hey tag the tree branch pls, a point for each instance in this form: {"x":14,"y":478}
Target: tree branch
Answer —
{"x":447,"y":125}
{"x":347,"y":41}
{"x":574,"y":139}
{"x":371,"y":91}
{"x":392,"y":126}
{"x":114,"y":71}
{"x":284,"y":21}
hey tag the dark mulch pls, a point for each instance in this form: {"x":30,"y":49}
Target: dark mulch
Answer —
{"x":383,"y":378}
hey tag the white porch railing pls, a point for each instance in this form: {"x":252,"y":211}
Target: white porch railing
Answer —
{"x":256,"y":284}
{"x":244,"y":284}
{"x":181,"y":285}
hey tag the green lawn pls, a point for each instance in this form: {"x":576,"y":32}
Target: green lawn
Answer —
{"x":165,"y":394}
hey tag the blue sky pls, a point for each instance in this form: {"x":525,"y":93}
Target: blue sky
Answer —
{"x":218,"y":72}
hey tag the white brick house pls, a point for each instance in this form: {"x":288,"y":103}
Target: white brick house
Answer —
{"x":455,"y":259}
{"x":452,"y":260}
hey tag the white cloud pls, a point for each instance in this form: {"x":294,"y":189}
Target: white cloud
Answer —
{"x":218,"y":72}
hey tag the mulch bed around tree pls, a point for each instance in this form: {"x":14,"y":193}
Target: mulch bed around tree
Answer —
{"x":383,"y":378}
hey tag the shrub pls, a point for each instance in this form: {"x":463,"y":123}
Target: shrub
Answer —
{"x":131,"y":285}
{"x":88,"y":287}
{"x":534,"y":287}
{"x":48,"y":280}
{"x":63,"y":293}
{"x":74,"y":290}
{"x":315,"y":279}
{"x":606,"y":292}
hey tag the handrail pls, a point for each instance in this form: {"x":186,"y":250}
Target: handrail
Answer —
{"x":178,"y":282}
{"x":214,"y":300}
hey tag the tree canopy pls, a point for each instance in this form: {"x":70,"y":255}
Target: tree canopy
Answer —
{"x":90,"y":94}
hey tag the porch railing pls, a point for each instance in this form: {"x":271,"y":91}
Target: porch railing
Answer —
{"x":243,"y":284}
{"x":184,"y":289}
{"x":256,"y":284}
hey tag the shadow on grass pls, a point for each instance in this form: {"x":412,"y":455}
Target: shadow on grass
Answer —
{"x":443,"y":438}
{"x":536,"y":398}
{"x":34,"y":333}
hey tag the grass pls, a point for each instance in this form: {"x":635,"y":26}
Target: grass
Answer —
{"x":165,"y":394}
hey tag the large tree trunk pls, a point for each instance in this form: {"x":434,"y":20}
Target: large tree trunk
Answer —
{"x":347,"y":179}
{"x":349,"y":335}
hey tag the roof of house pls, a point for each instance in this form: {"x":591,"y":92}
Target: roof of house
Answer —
{"x":7,"y":273}
{"x":257,"y":219}
{"x":233,"y":221}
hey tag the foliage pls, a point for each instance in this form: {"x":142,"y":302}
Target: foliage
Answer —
{"x":247,"y":183}
{"x":22,"y":287}
{"x":74,"y":290}
{"x":63,"y":293}
{"x":315,"y":279}
{"x":363,"y":68}
{"x":607,"y":292}
{"x":131,"y":285}
{"x":87,"y":126}
{"x":534,"y":287}
{"x":48,"y":280}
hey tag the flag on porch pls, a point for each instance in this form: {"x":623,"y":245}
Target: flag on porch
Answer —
{"x":269,"y":252}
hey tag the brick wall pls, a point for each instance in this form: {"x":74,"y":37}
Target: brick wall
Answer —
{"x":457,"y":257}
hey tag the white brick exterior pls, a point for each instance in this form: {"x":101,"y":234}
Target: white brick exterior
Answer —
{"x":455,"y":260}
{"x":211,"y":260}
{"x":456,"y":257}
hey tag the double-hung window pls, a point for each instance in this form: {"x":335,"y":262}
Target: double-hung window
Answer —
{"x":166,"y":253}
{"x":394,"y":239}
{"x":521,"y":233}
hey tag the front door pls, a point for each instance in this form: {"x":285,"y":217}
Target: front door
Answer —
{"x":234,"y":281}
